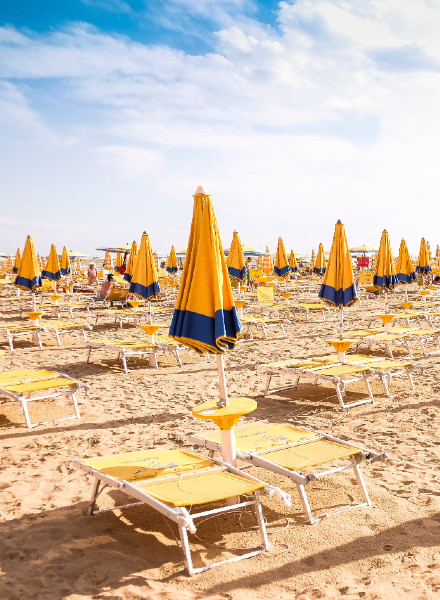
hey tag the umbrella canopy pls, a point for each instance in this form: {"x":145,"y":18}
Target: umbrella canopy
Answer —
{"x":17,"y":261}
{"x":385,"y":275}
{"x":338,"y":288}
{"x":428,"y":250}
{"x":9,"y":263}
{"x":145,"y":282}
{"x":437,"y":257}
{"x":319,"y":267}
{"x":39,"y":261}
{"x":423,"y":264}
{"x":312,"y":261}
{"x":404,"y":268}
{"x":53,"y":269}
{"x":172,"y":262}
{"x":265,"y":262}
{"x":108,"y":261}
{"x":65,"y":262}
{"x":131,"y":263}
{"x":119,"y":261}
{"x":362,"y":249}
{"x":281,"y":265}
{"x":73,"y":254}
{"x":115,"y":249}
{"x":292,"y":261}
{"x":28,"y":275}
{"x":235,"y":262}
{"x":205,"y":317}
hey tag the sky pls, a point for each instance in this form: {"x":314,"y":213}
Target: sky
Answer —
{"x":291,"y":114}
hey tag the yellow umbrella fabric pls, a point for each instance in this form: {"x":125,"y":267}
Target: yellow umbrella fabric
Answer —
{"x":53,"y":269}
{"x":172,"y":262}
{"x":319,"y":266}
{"x":292,"y":261}
{"x":17,"y":261}
{"x":205,"y":317}
{"x":131,"y":263}
{"x":235,"y":262}
{"x":9,"y":263}
{"x":119,"y":261}
{"x":385,"y":275}
{"x":338,"y":287}
{"x":428,"y":250}
{"x":404,"y":268}
{"x":437,"y":257}
{"x":145,"y":281}
{"x":423,"y":265}
{"x":108,"y":262}
{"x":312,"y":260}
{"x":28,"y":275}
{"x":281,"y":265}
{"x":265,"y":262}
{"x":65,"y":262}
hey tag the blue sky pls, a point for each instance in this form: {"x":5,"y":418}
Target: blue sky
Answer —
{"x":292,"y":114}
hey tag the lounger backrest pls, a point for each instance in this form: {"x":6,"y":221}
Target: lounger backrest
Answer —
{"x":117,"y":294}
{"x":265,"y":294}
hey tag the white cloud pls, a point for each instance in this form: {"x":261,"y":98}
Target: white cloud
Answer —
{"x":332,"y":116}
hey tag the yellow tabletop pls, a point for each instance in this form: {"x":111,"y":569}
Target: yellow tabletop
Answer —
{"x":135,"y":303}
{"x":240,"y":303}
{"x":386,"y":318}
{"x":225,"y":417}
{"x":341,"y":345}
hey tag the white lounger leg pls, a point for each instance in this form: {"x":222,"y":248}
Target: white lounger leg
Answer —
{"x":361,"y":482}
{"x":88,"y":355}
{"x":186,"y":549}
{"x":305,"y":503}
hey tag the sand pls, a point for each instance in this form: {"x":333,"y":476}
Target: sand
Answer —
{"x":51,"y":550}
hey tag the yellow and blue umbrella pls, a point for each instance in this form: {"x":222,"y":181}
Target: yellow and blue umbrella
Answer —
{"x":292,"y":262}
{"x":17,"y":261}
{"x":235,"y":262}
{"x":312,"y":261}
{"x":131,"y":263}
{"x":423,"y":264}
{"x":145,"y":281}
{"x":28,"y":275}
{"x":404,"y":268}
{"x":9,"y":263}
{"x":205,"y":317}
{"x":338,"y":287}
{"x":108,"y":261}
{"x":119,"y":261}
{"x":281,"y":265}
{"x":319,"y":266}
{"x":172,"y":262}
{"x":428,"y":250}
{"x":385,"y":275}
{"x":437,"y":257}
{"x":65,"y":262}
{"x":53,"y":269}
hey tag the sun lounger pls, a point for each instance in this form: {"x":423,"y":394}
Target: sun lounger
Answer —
{"x":126,"y":315}
{"x":262,"y":324}
{"x":126,"y":348}
{"x":400,"y":336}
{"x":22,"y":385}
{"x":169,"y":481}
{"x":294,"y":453}
{"x":116,"y":295}
{"x":70,"y":307}
{"x":14,"y":331}
{"x":57,"y":328}
{"x":309,"y":308}
{"x":321,"y":371}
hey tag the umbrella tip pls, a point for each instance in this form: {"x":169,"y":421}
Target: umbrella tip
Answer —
{"x":202,"y":190}
{"x":339,"y":222}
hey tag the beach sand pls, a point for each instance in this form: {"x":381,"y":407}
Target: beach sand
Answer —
{"x":51,"y":550}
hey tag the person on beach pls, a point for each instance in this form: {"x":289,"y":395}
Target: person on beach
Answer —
{"x":107,"y":286}
{"x":92,"y":275}
{"x":247,"y":265}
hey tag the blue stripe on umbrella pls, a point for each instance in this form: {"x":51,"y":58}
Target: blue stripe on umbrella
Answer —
{"x":338,"y":297}
{"x":239,"y":274}
{"x":50,"y":275}
{"x":383,"y":281}
{"x":206,"y":330}
{"x":283,"y":271}
{"x":28,"y":283}
{"x":145,"y":292}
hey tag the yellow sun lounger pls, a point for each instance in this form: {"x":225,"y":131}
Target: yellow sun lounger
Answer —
{"x":400,"y":336}
{"x":126,"y":348}
{"x":61,"y":327}
{"x":173,"y":482}
{"x":13,"y":331}
{"x":338,"y":374}
{"x":22,"y":385}
{"x":263,"y":324}
{"x":122,"y":315}
{"x":309,"y":308}
{"x":293,"y":452}
{"x":70,"y":307}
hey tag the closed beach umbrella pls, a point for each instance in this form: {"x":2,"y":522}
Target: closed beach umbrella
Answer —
{"x":119,"y":261}
{"x":172,"y":262}
{"x":53,"y":269}
{"x":428,"y":250}
{"x":39,"y":260}
{"x":9,"y":263}
{"x":423,"y":265}
{"x":292,"y":262}
{"x":65,"y":262}
{"x":108,"y":261}
{"x":312,"y":261}
{"x":385,"y":275}
{"x":17,"y":261}
{"x":235,"y":262}
{"x":43,"y":262}
{"x":145,"y":281}
{"x":28,"y":275}
{"x":281,"y":265}
{"x":437,"y":258}
{"x":338,"y":287}
{"x":319,"y":267}
{"x":404,"y":268}
{"x":131,"y":263}
{"x":265,"y":262}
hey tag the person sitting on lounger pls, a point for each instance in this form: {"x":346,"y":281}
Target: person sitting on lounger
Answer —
{"x":107,"y":286}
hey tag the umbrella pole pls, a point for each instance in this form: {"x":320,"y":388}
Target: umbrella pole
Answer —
{"x":229,"y":451}
{"x":406,"y":292}
{"x":222,"y":381}
{"x":238,"y":287}
{"x":34,"y":302}
{"x":386,"y":301}
{"x":341,"y":322}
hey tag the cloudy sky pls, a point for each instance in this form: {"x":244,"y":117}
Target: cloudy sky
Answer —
{"x":292,"y":114}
